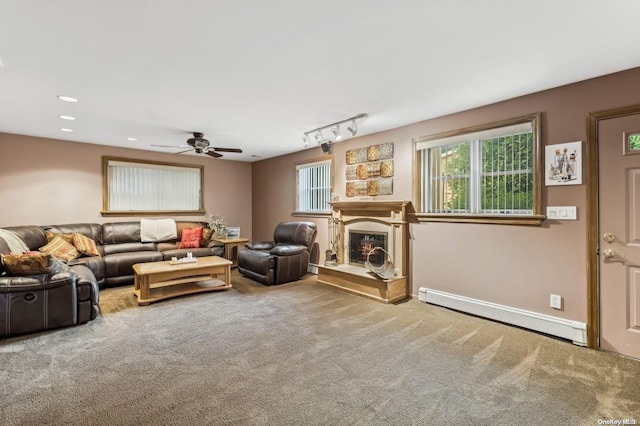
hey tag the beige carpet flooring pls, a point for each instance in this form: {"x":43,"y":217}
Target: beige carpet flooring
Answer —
{"x":304,"y":354}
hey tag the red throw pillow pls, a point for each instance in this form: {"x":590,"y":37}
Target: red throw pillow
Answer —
{"x":191,"y":238}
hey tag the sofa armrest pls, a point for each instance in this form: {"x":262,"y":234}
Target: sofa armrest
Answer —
{"x":214,"y":243}
{"x":20,"y":283}
{"x":288,"y":250}
{"x":261,"y":245}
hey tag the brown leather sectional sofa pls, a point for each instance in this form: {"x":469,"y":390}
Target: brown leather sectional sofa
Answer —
{"x":41,"y":302}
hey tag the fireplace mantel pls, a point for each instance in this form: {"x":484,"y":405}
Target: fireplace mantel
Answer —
{"x":375,"y":216}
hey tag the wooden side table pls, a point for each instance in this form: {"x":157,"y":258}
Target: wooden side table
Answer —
{"x":231,"y":248}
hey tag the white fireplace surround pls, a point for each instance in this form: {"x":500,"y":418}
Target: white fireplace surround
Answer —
{"x":388,"y":217}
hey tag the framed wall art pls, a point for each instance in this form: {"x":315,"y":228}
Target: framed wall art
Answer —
{"x":563,"y":164}
{"x":369,"y":171}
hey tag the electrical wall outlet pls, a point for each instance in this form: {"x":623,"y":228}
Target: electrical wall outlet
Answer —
{"x":555,"y":301}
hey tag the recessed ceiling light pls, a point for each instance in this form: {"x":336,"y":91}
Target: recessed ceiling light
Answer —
{"x":66,"y":130}
{"x":132,"y":139}
{"x":67,"y":117}
{"x":67,"y":99}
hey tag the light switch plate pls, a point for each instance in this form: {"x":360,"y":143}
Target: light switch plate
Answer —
{"x":562,"y":212}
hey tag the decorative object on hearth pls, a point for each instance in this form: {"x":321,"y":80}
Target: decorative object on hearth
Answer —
{"x":334,"y":236}
{"x":386,"y":270}
{"x":365,"y":168}
{"x":219,"y":225}
{"x":200,"y":145}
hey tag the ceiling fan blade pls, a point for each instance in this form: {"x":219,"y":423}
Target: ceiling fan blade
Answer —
{"x":186,"y":150}
{"x":213,"y":154}
{"x":172,"y":146}
{"x":227,"y":150}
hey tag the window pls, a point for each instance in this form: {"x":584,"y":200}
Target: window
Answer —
{"x":483,"y":174}
{"x":313,"y":186}
{"x":146,"y":187}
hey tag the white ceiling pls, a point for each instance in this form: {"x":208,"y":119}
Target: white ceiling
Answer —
{"x":256,"y":74}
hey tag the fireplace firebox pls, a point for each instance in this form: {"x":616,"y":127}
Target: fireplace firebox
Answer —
{"x":362,"y":242}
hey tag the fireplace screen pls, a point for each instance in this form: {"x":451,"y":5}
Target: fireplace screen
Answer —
{"x":362,"y":242}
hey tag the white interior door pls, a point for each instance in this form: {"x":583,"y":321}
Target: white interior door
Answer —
{"x":619,"y":226}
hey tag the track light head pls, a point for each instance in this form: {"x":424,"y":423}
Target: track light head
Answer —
{"x":336,"y":132}
{"x":353,"y":128}
{"x":318,"y":136}
{"x":305,"y":141}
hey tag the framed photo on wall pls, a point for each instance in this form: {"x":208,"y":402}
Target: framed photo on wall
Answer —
{"x":563,"y":164}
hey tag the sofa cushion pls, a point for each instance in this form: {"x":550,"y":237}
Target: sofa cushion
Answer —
{"x":91,"y":230}
{"x":51,"y":235}
{"x":85,"y":245}
{"x":191,"y":238}
{"x":60,"y":249}
{"x":121,"y":264}
{"x":32,"y":264}
{"x":207,"y":233}
{"x":128,"y":247}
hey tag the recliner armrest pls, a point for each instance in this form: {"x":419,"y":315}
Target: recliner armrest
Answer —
{"x":261,"y":245}
{"x":287,"y":250}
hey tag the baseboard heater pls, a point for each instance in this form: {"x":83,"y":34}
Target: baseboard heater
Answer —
{"x":560,"y":327}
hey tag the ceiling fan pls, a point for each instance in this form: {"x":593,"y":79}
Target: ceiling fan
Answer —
{"x":201,"y":146}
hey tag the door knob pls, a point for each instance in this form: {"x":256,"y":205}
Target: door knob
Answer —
{"x":608,"y":253}
{"x":608,"y":237}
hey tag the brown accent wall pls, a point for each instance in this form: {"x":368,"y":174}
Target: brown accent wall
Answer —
{"x":518,"y":266}
{"x":49,"y":181}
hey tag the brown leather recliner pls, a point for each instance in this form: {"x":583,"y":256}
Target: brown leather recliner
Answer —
{"x":282,"y":260}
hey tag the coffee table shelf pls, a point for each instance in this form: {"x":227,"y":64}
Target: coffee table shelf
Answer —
{"x":156,"y":281}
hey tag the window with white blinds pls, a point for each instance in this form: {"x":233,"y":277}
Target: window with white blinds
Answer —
{"x":488,"y":170}
{"x":313,"y":187}
{"x":140,"y":186}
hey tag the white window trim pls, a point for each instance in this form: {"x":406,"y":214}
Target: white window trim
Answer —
{"x":190,"y":185}
{"x":456,"y":136}
{"x":326,"y":160}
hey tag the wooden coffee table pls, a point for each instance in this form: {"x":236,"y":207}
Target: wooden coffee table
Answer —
{"x":161,"y":280}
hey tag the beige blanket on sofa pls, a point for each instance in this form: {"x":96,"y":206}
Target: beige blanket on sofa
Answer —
{"x":153,"y":230}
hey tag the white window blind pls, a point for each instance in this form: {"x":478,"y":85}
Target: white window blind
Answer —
{"x":489,"y":171}
{"x":314,"y":186}
{"x":153,"y":187}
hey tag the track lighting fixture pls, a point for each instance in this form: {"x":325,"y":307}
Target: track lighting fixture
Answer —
{"x":353,"y":129}
{"x":336,"y":133}
{"x":335,"y":130}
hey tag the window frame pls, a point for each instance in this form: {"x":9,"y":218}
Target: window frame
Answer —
{"x":420,"y":178}
{"x":106,"y":211}
{"x":302,"y":213}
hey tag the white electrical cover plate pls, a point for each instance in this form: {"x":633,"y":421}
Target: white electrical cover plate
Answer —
{"x":562,"y":212}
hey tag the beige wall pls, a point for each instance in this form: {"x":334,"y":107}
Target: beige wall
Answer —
{"x":48,"y":181}
{"x":518,"y":266}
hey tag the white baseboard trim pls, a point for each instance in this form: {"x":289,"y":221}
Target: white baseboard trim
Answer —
{"x":560,"y":327}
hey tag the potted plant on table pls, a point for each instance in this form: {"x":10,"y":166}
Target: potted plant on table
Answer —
{"x":219,"y":225}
